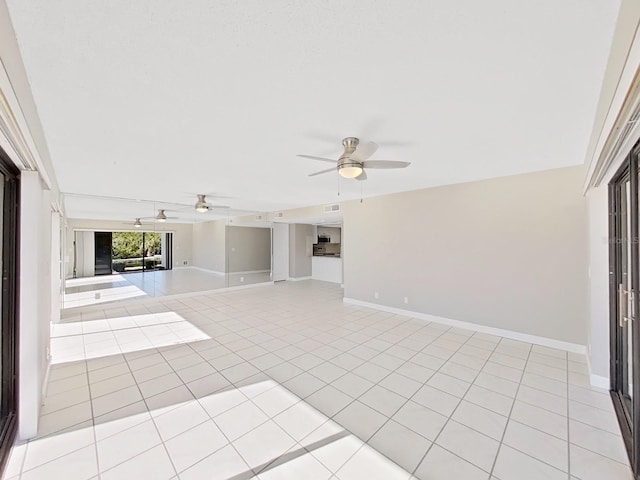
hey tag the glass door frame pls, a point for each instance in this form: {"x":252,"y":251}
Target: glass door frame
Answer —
{"x":9,"y":317}
{"x":623,"y":240}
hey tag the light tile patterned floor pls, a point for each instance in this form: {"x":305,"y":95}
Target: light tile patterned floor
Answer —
{"x":287,"y":382}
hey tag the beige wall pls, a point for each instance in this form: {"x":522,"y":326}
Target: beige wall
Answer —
{"x":209,"y":245}
{"x":509,"y":253}
{"x":300,"y":250}
{"x":248,"y":249}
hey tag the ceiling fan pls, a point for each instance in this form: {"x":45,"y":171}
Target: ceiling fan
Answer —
{"x":137,"y":223}
{"x":161,"y":217}
{"x":203,"y":206}
{"x":353,"y":162}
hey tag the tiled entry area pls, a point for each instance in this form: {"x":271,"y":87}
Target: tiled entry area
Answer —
{"x":287,"y":382}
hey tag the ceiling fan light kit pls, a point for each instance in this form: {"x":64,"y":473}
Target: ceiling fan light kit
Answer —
{"x":201,"y":204}
{"x":161,"y":217}
{"x":353,"y":170}
{"x":353,"y":162}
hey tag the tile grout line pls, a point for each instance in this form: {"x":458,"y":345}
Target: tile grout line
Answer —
{"x":455,"y":409}
{"x":287,"y":326}
{"x":152,"y":421}
{"x":515,"y":398}
{"x":568,"y":424}
{"x":29,"y":441}
{"x":353,"y":399}
{"x":93,"y":418}
{"x":364,"y":443}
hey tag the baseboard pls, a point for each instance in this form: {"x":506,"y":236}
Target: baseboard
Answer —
{"x":215,"y":272}
{"x":45,"y":383}
{"x":298,"y":279}
{"x":522,"y":337}
{"x":597,"y":380}
{"x":223,"y":273}
{"x":249,"y":271}
{"x":600,"y":382}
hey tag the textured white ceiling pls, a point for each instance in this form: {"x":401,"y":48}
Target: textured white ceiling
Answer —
{"x":155,"y":99}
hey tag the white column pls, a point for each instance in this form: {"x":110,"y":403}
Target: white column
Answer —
{"x":34,"y":302}
{"x":598,"y":326}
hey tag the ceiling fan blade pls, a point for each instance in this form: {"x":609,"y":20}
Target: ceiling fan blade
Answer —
{"x":385,"y":164}
{"x":216,"y":195}
{"x":220,"y":207}
{"x":364,"y":151}
{"x":362,"y":176}
{"x":323,"y":171}
{"x":322,"y":159}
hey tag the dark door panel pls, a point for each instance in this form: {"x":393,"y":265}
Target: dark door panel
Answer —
{"x":9,"y":266}
{"x":624,"y":273}
{"x":103,"y":253}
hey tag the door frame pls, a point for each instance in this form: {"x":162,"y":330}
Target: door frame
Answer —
{"x":627,"y":412}
{"x":280,"y":251}
{"x":10,"y":313}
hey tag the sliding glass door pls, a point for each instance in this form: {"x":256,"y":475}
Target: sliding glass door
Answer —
{"x":9,"y":185}
{"x":624,"y":277}
{"x":135,"y":251}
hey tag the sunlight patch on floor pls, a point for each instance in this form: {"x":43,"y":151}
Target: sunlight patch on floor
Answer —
{"x":100,"y":338}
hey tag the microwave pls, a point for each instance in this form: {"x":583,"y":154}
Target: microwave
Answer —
{"x":323,"y":239}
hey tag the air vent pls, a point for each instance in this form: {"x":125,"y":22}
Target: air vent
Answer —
{"x":278,"y":215}
{"x":332,"y":208}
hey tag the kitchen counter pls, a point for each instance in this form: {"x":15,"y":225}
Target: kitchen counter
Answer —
{"x":327,"y":268}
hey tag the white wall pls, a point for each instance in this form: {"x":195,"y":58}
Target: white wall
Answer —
{"x":615,"y":97}
{"x":35,"y":299}
{"x":209,"y":245}
{"x":327,"y":269}
{"x":280,"y":249}
{"x":300,"y":250}
{"x":85,"y":254}
{"x":598,"y":325}
{"x":25,"y":139}
{"x":508,"y":253}
{"x":57,"y":274}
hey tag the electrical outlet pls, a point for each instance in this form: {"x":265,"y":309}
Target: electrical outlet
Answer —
{"x":376,"y":295}
{"x":406,"y":299}
{"x":184,"y":262}
{"x":242,"y":279}
{"x":97,"y":295}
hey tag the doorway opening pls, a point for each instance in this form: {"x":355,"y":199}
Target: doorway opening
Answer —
{"x":135,"y":252}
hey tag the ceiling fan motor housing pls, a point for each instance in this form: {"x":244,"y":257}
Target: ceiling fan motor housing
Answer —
{"x":350,"y":145}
